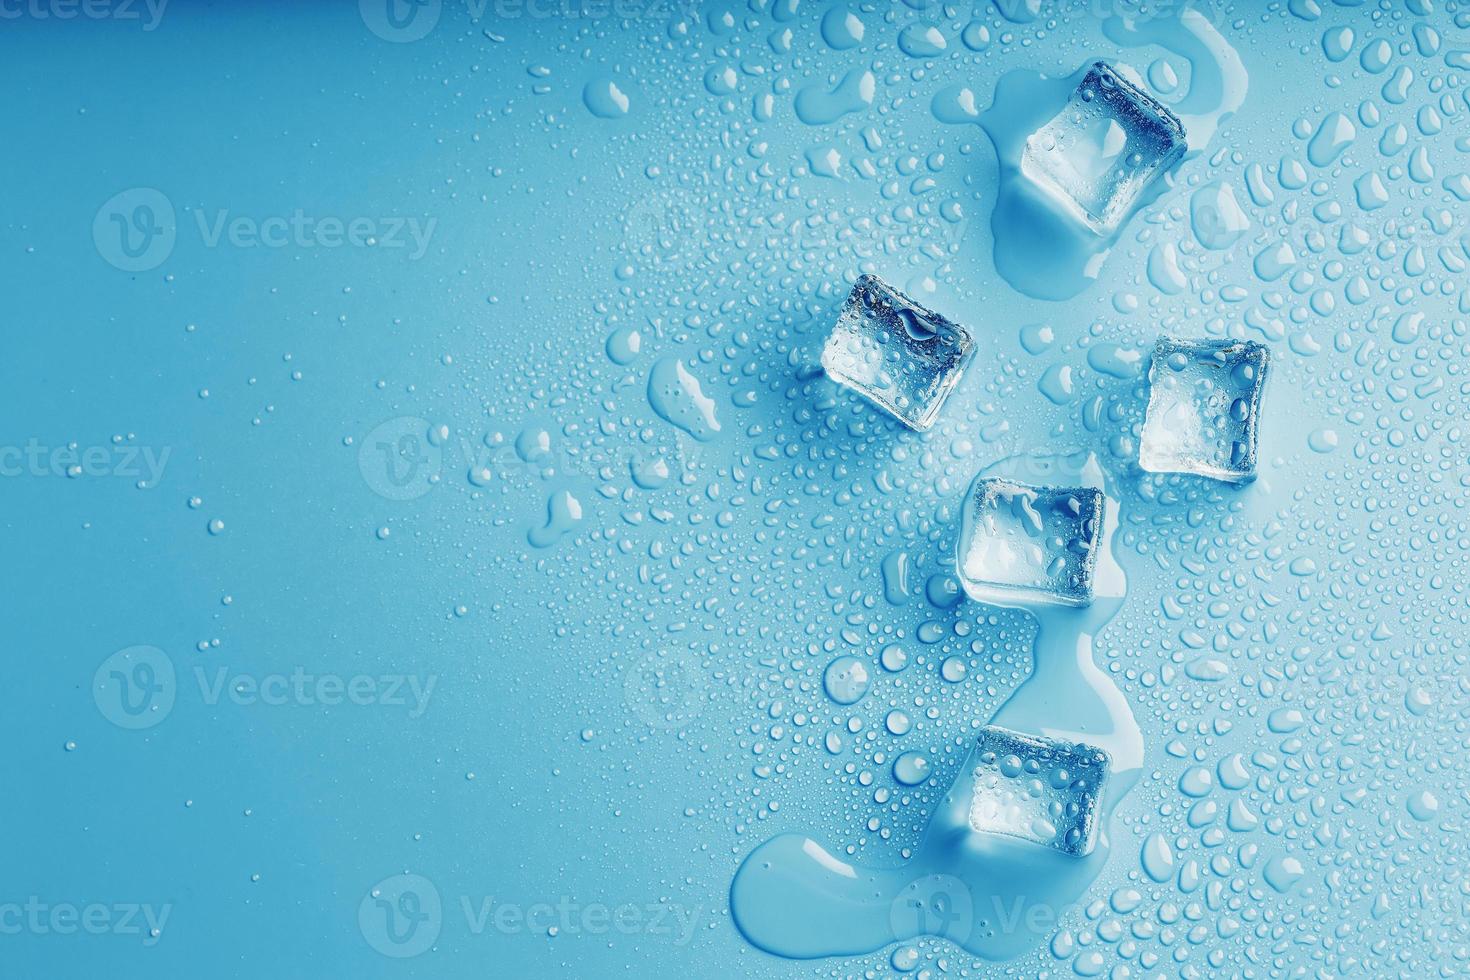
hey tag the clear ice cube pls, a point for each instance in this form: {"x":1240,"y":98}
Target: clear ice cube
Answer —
{"x":1029,"y":545}
{"x":1203,"y":408}
{"x":900,"y":356}
{"x":1038,"y":789}
{"x":1107,"y":144}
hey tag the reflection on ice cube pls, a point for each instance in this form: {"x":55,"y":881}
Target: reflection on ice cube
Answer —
{"x":899,"y":355}
{"x":1021,"y":544}
{"x":1204,"y":408}
{"x":1041,"y":790}
{"x":1107,"y":144}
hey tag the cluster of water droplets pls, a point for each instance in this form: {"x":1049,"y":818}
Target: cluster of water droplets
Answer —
{"x":779,"y":554}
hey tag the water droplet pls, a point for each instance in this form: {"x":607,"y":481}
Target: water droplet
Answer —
{"x":846,"y":680}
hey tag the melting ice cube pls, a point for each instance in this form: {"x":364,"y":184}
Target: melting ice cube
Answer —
{"x":1032,"y":545}
{"x":1204,"y":407}
{"x":1098,"y":154}
{"x":1042,"y":790}
{"x":899,"y":355}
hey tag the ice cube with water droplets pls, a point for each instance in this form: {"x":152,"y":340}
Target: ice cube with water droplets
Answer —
{"x":899,"y":355}
{"x":1204,"y":408}
{"x":1042,"y":790}
{"x":1028,"y":545}
{"x":1097,"y":155}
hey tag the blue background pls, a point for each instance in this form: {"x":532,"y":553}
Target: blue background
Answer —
{"x":549,"y":767}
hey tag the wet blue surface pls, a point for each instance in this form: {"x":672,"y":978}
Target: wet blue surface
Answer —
{"x":432,"y":526}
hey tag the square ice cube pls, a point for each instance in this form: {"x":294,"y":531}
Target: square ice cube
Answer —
{"x":1203,"y":408}
{"x":897,"y":354}
{"x":1107,"y":144}
{"x":1042,"y":790}
{"x":1033,"y":545}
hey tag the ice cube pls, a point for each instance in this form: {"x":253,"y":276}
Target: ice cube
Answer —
{"x":1097,"y":155}
{"x":1030,"y":545}
{"x":897,"y":354}
{"x":1042,"y":790}
{"x":1204,"y":407}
